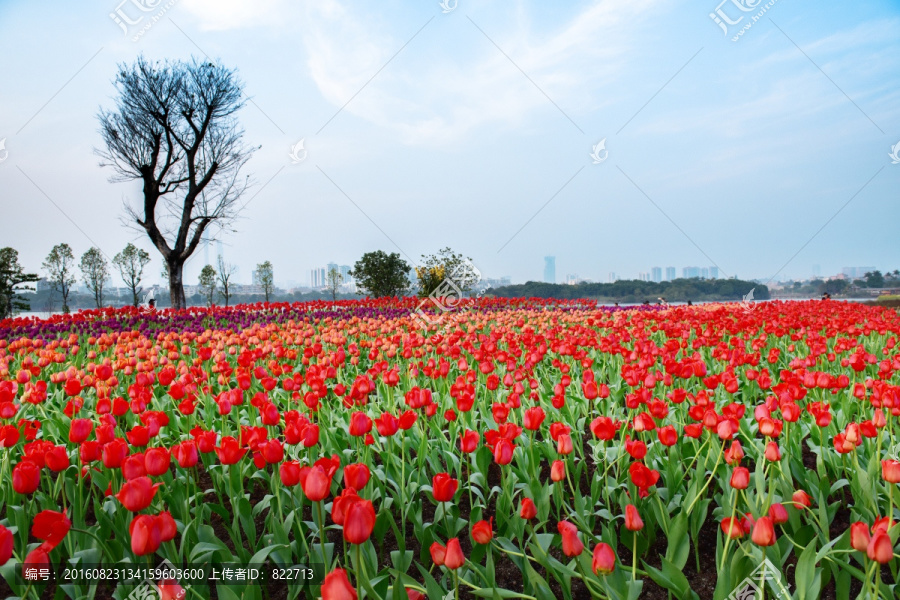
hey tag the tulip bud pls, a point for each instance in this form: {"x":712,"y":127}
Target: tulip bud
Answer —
{"x":859,"y":536}
{"x":604,"y":560}
{"x":527,"y":509}
{"x":763,"y":532}
{"x":740,"y":478}
{"x":633,"y":520}
{"x":880,"y":548}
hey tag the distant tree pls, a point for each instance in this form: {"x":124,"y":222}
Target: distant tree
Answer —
{"x":60,"y":268}
{"x":874,"y":279}
{"x":94,"y":273}
{"x":174,"y":129}
{"x":446,"y":264}
{"x":381,"y":274}
{"x":833,"y":287}
{"x":225,"y":273}
{"x":207,"y":283}
{"x":266,"y":277}
{"x":130,"y":263}
{"x":333,"y":281}
{"x":12,"y":278}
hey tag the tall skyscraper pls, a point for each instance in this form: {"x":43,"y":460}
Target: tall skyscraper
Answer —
{"x":345,"y":273}
{"x":704,"y":273}
{"x":612,"y":277}
{"x":690,"y":272}
{"x":550,"y":269}
{"x":714,"y":272}
{"x":656,"y":274}
{"x":670,"y":273}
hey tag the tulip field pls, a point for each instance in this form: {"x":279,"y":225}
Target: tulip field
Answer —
{"x":528,"y":449}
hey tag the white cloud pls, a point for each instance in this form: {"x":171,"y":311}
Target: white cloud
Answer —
{"x":222,"y":15}
{"x":444,"y":96}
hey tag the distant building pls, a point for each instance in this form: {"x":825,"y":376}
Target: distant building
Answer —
{"x":714,"y":272}
{"x":856,"y":272}
{"x":550,"y":269}
{"x":656,"y":274}
{"x":670,"y":273}
{"x":345,"y":273}
{"x":690,"y":272}
{"x":704,"y":273}
{"x":43,"y":285}
{"x":612,"y":277}
{"x":317,"y":278}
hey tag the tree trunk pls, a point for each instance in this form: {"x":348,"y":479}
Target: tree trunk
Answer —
{"x":176,"y":285}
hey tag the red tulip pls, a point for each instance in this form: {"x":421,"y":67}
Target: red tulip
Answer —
{"x":890,"y":471}
{"x":137,"y":494}
{"x":51,"y":527}
{"x":732,"y":528}
{"x":6,"y":545}
{"x":146,"y":535}
{"x":438,"y":553}
{"x":114,"y":453}
{"x":167,"y":526}
{"x":156,"y":461}
{"x":527,"y":509}
{"x":444,"y":487}
{"x":558,"y":470}
{"x":778,"y":513}
{"x":763,"y":532}
{"x":503,"y":451}
{"x":571,"y":544}
{"x":412,"y":594}
{"x":468,"y":441}
{"x":289,"y":472}
{"x":80,"y":429}
{"x":880,"y":548}
{"x":735,"y":453}
{"x":134,"y":467}
{"x":533,"y":417}
{"x":633,"y":520}
{"x":360,"y":424}
{"x":138,"y":436}
{"x":564,"y":444}
{"x":229,"y":451}
{"x":773,"y":453}
{"x":57,"y":459}
{"x":359,"y":522}
{"x":336,"y":586}
{"x":802,"y":498}
{"x":604,"y":560}
{"x":859,"y":536}
{"x":482,"y":532}
{"x":26,"y":477}
{"x":186,"y":454}
{"x":36,"y":559}
{"x":667,"y":435}
{"x":316,"y":482}
{"x":271,"y":451}
{"x":356,"y":476}
{"x":170,"y":590}
{"x":454,"y":557}
{"x":603,"y":428}
{"x":740,"y":478}
{"x":387,"y":424}
{"x":342,"y":503}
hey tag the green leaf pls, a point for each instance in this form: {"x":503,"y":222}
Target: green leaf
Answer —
{"x":808,"y":579}
{"x":679,"y":549}
{"x":670,"y":577}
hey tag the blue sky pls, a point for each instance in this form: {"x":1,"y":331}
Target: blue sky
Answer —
{"x":733,"y":153}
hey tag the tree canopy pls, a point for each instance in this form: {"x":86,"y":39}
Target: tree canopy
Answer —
{"x":381,"y":274}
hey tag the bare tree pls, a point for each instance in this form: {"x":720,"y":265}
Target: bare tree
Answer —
{"x":333,"y":281}
{"x":265,"y":276}
{"x":208,"y":284}
{"x":94,"y":273}
{"x":225,"y":273}
{"x":60,"y":267}
{"x":130,"y":263}
{"x":175,"y":129}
